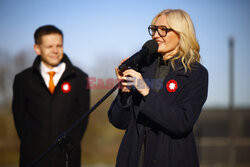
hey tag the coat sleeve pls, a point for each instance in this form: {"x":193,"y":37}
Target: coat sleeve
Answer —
{"x":179,"y":118}
{"x":18,"y":105}
{"x":120,"y":112}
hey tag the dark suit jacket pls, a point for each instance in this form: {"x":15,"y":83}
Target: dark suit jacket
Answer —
{"x":164,"y":119}
{"x":40,"y":116}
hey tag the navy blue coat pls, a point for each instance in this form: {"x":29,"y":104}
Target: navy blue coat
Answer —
{"x":164,"y":118}
{"x":41,"y":116}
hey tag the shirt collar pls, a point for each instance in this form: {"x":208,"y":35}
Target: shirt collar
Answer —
{"x":58,"y":69}
{"x":163,"y":62}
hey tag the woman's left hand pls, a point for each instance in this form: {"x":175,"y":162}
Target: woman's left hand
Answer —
{"x":134,"y":78}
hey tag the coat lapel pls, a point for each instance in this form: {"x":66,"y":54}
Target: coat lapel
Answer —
{"x":174,"y":82}
{"x":69,"y":72}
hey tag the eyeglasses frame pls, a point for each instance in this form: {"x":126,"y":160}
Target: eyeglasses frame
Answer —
{"x":156,"y":27}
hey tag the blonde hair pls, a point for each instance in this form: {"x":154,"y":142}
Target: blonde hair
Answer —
{"x":181,"y":23}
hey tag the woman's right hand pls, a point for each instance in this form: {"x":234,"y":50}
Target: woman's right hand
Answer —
{"x":119,"y":76}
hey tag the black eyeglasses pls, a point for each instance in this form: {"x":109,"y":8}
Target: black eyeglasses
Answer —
{"x":162,"y":30}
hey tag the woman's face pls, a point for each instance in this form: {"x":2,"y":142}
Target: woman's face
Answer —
{"x":168,"y":43}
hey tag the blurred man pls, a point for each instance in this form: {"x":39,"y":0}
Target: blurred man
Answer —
{"x":47,"y":98}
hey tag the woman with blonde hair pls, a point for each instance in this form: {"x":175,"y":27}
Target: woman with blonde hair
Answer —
{"x":159,"y":121}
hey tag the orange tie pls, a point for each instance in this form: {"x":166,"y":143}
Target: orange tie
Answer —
{"x":51,"y":82}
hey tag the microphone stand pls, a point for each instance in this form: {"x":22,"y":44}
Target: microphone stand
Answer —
{"x":61,"y":139}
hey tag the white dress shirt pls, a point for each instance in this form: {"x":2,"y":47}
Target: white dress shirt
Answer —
{"x":59,"y":69}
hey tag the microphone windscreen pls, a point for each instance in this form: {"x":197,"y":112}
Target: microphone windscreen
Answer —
{"x":152,"y":46}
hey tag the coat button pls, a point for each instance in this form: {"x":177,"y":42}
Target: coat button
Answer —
{"x":155,"y":162}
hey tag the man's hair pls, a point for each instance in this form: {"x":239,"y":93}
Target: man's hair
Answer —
{"x":45,"y":30}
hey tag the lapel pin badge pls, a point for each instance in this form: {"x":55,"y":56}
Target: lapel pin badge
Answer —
{"x":66,"y":87}
{"x":171,"y":85}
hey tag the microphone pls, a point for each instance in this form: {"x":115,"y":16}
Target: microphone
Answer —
{"x":150,"y":47}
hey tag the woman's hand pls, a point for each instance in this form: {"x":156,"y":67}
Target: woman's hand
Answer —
{"x":133,"y":78}
{"x":119,"y":76}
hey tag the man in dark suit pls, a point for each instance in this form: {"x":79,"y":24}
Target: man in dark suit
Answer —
{"x":47,"y":98}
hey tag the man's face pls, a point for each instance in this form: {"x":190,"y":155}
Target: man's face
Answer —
{"x":50,"y":49}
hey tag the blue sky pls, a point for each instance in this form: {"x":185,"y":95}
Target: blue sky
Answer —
{"x":100,"y":33}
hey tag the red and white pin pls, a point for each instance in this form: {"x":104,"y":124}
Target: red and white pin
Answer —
{"x":66,"y":87}
{"x":172,"y":85}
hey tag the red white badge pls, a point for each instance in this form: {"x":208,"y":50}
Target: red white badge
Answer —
{"x":66,"y":87}
{"x":172,"y":85}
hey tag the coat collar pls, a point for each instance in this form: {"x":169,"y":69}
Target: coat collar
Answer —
{"x":149,"y":70}
{"x":179,"y":68}
{"x":68,"y":71}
